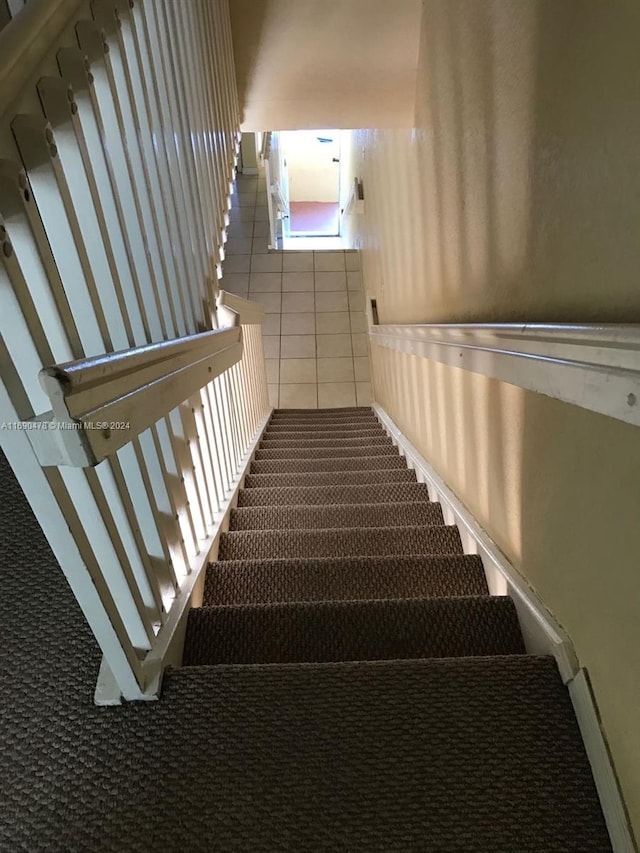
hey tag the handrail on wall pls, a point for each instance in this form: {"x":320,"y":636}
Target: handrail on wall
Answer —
{"x":593,"y":366}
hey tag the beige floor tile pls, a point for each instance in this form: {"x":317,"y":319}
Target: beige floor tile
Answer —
{"x":265,"y":282}
{"x":363,"y":394}
{"x":236,"y":264}
{"x":273,"y":395}
{"x":238,"y":246}
{"x":298,"y":346}
{"x":300,"y":396}
{"x":358,"y":322}
{"x":241,"y":214}
{"x":332,"y":302}
{"x":297,"y":282}
{"x":247,"y":183}
{"x":333,"y":323}
{"x":244,"y":199}
{"x":361,"y":366}
{"x":298,"y":324}
{"x":261,"y":229}
{"x":335,"y":370}
{"x":271,"y":346}
{"x":260,"y":245}
{"x":296,"y":303}
{"x":273,"y":370}
{"x":297,"y":261}
{"x":271,"y":302}
{"x":352,"y":260}
{"x":271,"y":324}
{"x":235,"y":282}
{"x":354,"y":281}
{"x":331,"y":281}
{"x":241,"y":229}
{"x":297,"y":370}
{"x":269,"y":262}
{"x":335,"y":394}
{"x":334,"y":346}
{"x":356,"y":300}
{"x":328,"y":261}
{"x":359,"y":342}
{"x":261,"y":214}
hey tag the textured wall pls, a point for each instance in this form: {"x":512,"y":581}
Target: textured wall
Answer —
{"x":517,"y":197}
{"x":325,"y":63}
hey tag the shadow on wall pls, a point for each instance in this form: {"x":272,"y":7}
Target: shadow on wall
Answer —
{"x":522,"y":187}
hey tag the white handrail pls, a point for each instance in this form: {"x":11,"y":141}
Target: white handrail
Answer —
{"x":100,"y":404}
{"x":593,"y":366}
{"x":119,"y":144}
{"x":26,"y":41}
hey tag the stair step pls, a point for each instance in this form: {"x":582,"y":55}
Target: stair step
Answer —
{"x":336,"y":422}
{"x":327,"y":452}
{"x":344,"y":542}
{"x":329,"y":478}
{"x":347,"y":411}
{"x":326,"y":439}
{"x":348,"y":578}
{"x":478,"y":754}
{"x":316,"y":632}
{"x":316,"y":430}
{"x":339,"y":515}
{"x":326,"y":478}
{"x":344,"y":463}
{"x":322,"y":495}
{"x":273,"y":434}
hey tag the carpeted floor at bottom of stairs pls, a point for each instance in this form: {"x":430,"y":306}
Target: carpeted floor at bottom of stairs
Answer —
{"x":349,"y":684}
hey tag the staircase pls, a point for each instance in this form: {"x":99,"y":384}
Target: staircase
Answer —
{"x":367,"y":692}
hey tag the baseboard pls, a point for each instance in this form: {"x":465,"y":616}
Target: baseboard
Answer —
{"x":542,"y":633}
{"x":604,"y":775}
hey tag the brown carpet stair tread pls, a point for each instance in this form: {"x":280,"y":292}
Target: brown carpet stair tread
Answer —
{"x":344,"y":463}
{"x":348,"y":411}
{"x":475,"y":754}
{"x":334,"y":494}
{"x":284,"y":438}
{"x":325,"y":478}
{"x":353,"y":451}
{"x":339,"y":542}
{"x":359,"y":422}
{"x":364,"y":690}
{"x":370,"y":440}
{"x":342,"y":515}
{"x":342,"y":579}
{"x":353,"y":630}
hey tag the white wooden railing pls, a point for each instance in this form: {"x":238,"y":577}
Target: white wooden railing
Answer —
{"x":133,"y":390}
{"x":277,"y":194}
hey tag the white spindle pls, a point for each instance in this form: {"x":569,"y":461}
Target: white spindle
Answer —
{"x":114,"y":199}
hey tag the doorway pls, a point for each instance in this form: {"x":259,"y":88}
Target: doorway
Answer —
{"x":312,"y":162}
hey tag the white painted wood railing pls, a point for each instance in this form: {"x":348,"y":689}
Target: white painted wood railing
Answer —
{"x":132,"y":389}
{"x":596,"y":367}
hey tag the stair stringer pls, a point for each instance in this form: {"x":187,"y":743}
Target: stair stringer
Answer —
{"x":543,"y":634}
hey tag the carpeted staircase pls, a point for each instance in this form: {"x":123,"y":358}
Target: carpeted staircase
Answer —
{"x":367,"y":692}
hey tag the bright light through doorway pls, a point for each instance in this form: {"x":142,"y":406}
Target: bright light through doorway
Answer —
{"x":312,"y":161}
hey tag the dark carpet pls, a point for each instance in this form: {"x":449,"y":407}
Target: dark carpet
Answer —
{"x":471,"y":753}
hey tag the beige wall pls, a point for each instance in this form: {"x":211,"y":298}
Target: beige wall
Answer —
{"x":325,"y":63}
{"x":517,"y":197}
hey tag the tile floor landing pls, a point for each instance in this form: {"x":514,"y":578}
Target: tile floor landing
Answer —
{"x":315,"y":329}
